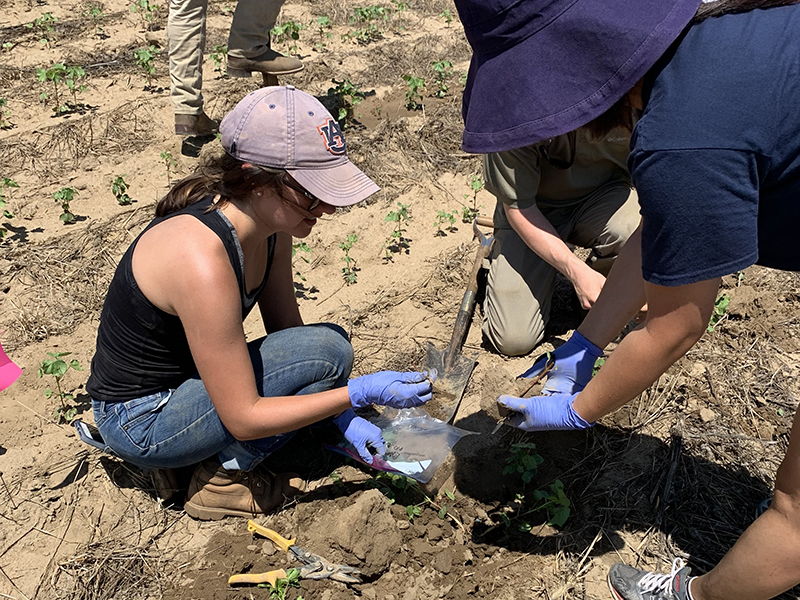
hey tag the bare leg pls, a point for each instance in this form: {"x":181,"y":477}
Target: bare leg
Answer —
{"x":765,"y":561}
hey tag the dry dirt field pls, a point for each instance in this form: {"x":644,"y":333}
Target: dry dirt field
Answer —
{"x":677,"y":473}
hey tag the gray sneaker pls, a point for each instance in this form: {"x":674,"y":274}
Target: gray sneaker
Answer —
{"x":629,"y":583}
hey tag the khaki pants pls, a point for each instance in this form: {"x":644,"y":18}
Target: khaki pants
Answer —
{"x":186,"y":31}
{"x":520,"y":284}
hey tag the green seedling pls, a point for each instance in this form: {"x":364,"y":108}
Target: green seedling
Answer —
{"x":350,"y":96}
{"x":54,"y":75}
{"x":72,"y":79}
{"x":63,"y":197}
{"x":7,"y":46}
{"x":219,"y":54}
{"x":58,"y":367}
{"x":447,"y":16}
{"x":145,"y":59}
{"x":720,"y":306}
{"x":555,"y":502}
{"x":523,"y":461}
{"x":302,"y":247}
{"x":442,"y":217}
{"x":397,"y":239}
{"x":597,"y":364}
{"x":44,"y":26}
{"x":367,"y":16}
{"x":443,"y":510}
{"x":349,"y":269}
{"x":476,"y":185}
{"x":120,"y":190}
{"x":414,"y":91}
{"x":146,"y":12}
{"x":94,"y":12}
{"x":282,"y":585}
{"x":5,"y":121}
{"x":169,"y":162}
{"x":290,"y":30}
{"x":323,"y":25}
{"x":442,"y":69}
{"x":5,"y":183}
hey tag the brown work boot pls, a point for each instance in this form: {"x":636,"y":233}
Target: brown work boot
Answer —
{"x":215,"y":492}
{"x":270,"y":63}
{"x":200,"y":124}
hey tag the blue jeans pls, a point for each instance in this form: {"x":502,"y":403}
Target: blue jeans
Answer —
{"x":180,"y":427}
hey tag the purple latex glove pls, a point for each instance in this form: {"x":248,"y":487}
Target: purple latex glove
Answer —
{"x":543,"y":413}
{"x":573,"y":369}
{"x":360,"y":433}
{"x":390,"y":388}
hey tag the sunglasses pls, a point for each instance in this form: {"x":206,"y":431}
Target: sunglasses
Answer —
{"x":291,"y":183}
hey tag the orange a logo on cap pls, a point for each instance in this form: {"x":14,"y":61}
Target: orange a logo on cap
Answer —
{"x":332,"y":134}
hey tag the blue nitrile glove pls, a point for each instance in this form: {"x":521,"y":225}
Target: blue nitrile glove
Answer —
{"x":390,"y":388}
{"x":543,"y":413}
{"x":573,"y":369}
{"x":361,"y":432}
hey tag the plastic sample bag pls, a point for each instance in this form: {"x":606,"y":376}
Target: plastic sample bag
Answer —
{"x":416,"y":443}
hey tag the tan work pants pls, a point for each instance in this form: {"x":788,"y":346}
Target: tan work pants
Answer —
{"x":186,"y":31}
{"x":520,"y":284}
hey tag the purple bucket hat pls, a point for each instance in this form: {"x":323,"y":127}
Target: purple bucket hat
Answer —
{"x":284,"y":128}
{"x":541,"y":68}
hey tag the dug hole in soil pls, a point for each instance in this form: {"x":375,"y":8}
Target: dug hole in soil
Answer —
{"x":679,"y":472}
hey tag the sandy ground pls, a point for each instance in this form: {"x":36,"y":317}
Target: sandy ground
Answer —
{"x":677,"y":473}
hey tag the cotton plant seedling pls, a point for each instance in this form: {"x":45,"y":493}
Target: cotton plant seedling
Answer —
{"x":54,"y":74}
{"x":366,"y":17}
{"x":219,"y":54}
{"x":442,"y":69}
{"x":554,"y":501}
{"x":283,"y":585}
{"x":72,"y":79}
{"x":414,"y":92}
{"x":447,"y":15}
{"x":300,"y":247}
{"x":523,"y":461}
{"x":720,"y":306}
{"x":169,"y":162}
{"x":57,"y":367}
{"x":44,"y":26}
{"x":476,"y":185}
{"x":350,"y":96}
{"x":146,"y":11}
{"x":63,"y":197}
{"x":5,"y":183}
{"x":323,"y":24}
{"x":5,"y":115}
{"x":145,"y":60}
{"x":349,"y":270}
{"x":7,"y":46}
{"x":119,"y":188}
{"x":290,"y":30}
{"x":397,"y":239}
{"x":94,"y":12}
{"x":445,"y":218}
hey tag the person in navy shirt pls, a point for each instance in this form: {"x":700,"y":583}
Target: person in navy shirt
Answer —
{"x":715,"y":159}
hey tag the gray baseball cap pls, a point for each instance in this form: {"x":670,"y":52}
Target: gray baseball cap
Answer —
{"x":283,"y":128}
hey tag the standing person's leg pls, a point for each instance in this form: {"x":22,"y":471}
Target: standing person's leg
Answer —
{"x":249,"y":42}
{"x":186,"y":33}
{"x":604,"y":223}
{"x":519,"y":288}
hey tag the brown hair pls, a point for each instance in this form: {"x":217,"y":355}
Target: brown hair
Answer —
{"x":724,"y":7}
{"x":223,"y":176}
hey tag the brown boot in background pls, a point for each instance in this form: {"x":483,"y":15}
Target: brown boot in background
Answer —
{"x":215,"y":492}
{"x":270,"y":63}
{"x":200,"y":124}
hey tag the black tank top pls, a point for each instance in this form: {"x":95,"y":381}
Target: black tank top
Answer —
{"x":141,"y":349}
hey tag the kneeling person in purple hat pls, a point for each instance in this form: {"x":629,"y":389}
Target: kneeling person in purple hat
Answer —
{"x":174,"y":381}
{"x":570,"y":189}
{"x":715,"y":159}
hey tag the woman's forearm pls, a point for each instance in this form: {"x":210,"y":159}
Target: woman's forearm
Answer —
{"x":676,"y":319}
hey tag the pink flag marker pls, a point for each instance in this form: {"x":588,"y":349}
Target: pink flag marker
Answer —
{"x":9,"y":371}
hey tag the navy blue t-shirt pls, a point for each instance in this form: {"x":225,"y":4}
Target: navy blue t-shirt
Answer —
{"x":716,"y":156}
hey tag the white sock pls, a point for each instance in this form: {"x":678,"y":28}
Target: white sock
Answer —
{"x":689,"y":587}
